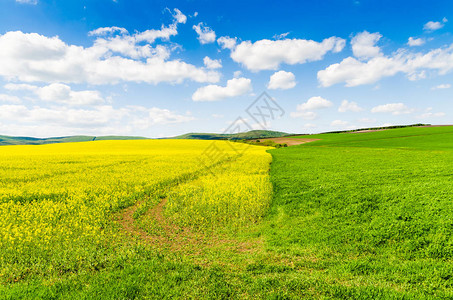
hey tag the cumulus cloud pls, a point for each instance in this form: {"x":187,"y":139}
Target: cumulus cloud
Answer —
{"x":117,"y":40}
{"x":212,"y":63}
{"x":149,"y":36}
{"x":235,"y":87}
{"x":269,"y":55}
{"x":103,"y":119}
{"x":354,"y":72}
{"x":179,"y":16}
{"x":441,"y":86}
{"x":61,"y":93}
{"x":282,"y":80}
{"x":115,"y":56}
{"x":227,"y":42}
{"x":393,"y":108}
{"x":415,"y":42}
{"x":205,"y":34}
{"x":363,"y":45}
{"x":432,"y":26}
{"x":304,"y":110}
{"x":349,"y":106}
{"x":315,"y":103}
{"x":31,"y":57}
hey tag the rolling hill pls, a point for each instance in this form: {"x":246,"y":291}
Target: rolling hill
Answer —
{"x":19,"y":140}
{"x":253,"y":134}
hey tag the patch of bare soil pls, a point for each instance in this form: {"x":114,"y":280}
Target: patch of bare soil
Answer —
{"x":289,"y":141}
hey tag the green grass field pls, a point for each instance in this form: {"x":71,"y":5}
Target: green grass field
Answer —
{"x":374,"y":211}
{"x":353,"y":216}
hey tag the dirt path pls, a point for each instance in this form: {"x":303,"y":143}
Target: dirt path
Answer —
{"x":182,"y":240}
{"x":126,"y":219}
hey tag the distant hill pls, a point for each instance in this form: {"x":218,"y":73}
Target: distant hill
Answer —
{"x":253,"y":134}
{"x":19,"y":140}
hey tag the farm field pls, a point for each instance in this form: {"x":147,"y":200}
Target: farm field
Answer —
{"x":363,"y":215}
{"x":61,"y":206}
{"x":366,"y":215}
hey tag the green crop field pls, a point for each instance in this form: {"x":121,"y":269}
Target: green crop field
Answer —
{"x":353,"y":216}
{"x":369,"y":214}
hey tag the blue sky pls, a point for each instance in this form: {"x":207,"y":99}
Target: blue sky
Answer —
{"x":162,"y":68}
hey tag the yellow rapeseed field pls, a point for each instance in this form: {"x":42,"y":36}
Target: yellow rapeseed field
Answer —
{"x":57,"y":201}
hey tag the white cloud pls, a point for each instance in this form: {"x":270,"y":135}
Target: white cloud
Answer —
{"x":349,"y":106}
{"x":237,"y":74}
{"x":304,"y":110}
{"x":120,"y":43}
{"x":118,"y":40}
{"x":205,"y":34}
{"x":363,"y":45}
{"x":9,"y":98}
{"x":441,"y":86}
{"x":151,"y":35}
{"x":179,"y":16}
{"x":282,"y":80}
{"x":416,"y":75}
{"x":432,"y":26}
{"x":227,"y":42}
{"x":309,"y":125}
{"x":354,"y":72}
{"x":415,"y":42}
{"x":107,"y":30}
{"x":212,"y":63}
{"x":393,"y":108}
{"x":314,"y":103}
{"x":235,"y":87}
{"x":37,"y":58}
{"x":269,"y":55}
{"x":129,"y":45}
{"x":33,"y":2}
{"x":339,"y":123}
{"x":61,"y":93}
{"x":100,"y":120}
{"x":280,"y":36}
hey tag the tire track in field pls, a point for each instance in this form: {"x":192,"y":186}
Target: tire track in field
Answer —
{"x":177,"y":239}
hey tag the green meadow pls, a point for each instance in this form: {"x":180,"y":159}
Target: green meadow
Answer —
{"x":353,"y":216}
